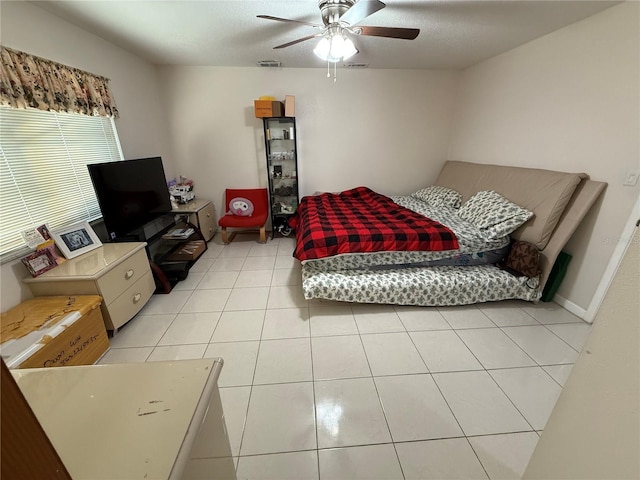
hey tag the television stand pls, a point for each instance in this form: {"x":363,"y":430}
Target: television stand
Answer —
{"x":167,"y":275}
{"x":170,"y":258}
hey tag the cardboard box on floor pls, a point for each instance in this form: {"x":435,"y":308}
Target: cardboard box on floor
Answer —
{"x":79,"y":343}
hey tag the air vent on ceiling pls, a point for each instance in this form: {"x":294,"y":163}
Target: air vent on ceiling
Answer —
{"x":356,"y":65}
{"x":269,"y":63}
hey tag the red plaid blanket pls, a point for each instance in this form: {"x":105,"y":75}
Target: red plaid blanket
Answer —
{"x":361,"y":220}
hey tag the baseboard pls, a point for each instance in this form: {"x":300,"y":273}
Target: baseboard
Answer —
{"x":571,"y":307}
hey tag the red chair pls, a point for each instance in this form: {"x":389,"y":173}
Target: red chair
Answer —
{"x":258,"y":219}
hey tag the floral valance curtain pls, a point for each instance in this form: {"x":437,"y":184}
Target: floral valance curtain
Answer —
{"x":27,"y":81}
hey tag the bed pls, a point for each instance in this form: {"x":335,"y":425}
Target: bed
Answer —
{"x":436,"y":248}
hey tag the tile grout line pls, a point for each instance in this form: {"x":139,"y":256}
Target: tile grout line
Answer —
{"x":378,"y":392}
{"x":313,"y":388}
{"x":497,"y":384}
{"x":509,"y":338}
{"x":484,"y":369}
{"x":246,"y":415}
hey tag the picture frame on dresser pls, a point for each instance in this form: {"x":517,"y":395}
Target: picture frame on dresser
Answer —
{"x":39,"y":262}
{"x":76,"y":239}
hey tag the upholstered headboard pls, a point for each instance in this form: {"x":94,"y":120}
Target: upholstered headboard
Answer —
{"x":559,"y":200}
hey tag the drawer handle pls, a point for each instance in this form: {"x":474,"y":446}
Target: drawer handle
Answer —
{"x":136,"y":298}
{"x":129,"y":274}
{"x":208,"y":215}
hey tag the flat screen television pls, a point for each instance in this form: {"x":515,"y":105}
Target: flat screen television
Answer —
{"x":130,"y":193}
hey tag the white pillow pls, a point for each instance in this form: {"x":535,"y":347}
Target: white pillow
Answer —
{"x":494,"y":215}
{"x":437,"y":196}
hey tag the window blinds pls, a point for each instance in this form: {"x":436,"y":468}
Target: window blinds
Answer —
{"x":43,"y":173}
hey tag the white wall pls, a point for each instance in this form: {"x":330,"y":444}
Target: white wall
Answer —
{"x":568,"y":101}
{"x":387,"y":129}
{"x":142,"y":127}
{"x":593,"y":430}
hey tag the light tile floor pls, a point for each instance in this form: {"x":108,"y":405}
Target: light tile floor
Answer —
{"x":324,"y":390}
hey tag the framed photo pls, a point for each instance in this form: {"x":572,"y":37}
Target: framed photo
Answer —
{"x":36,"y":236}
{"x":53,"y":249}
{"x":76,"y":239}
{"x":39,"y":262}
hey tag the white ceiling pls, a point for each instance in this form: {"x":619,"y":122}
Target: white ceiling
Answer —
{"x":454,"y":33}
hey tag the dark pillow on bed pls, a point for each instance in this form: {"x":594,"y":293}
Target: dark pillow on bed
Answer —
{"x":494,"y":215}
{"x":437,"y":196}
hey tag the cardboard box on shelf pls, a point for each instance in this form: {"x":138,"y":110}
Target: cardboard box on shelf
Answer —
{"x":289,"y":106}
{"x":54,"y":331}
{"x":268,"y":108}
{"x":189,"y":251}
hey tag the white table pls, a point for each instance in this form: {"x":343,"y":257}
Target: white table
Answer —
{"x":156,"y":420}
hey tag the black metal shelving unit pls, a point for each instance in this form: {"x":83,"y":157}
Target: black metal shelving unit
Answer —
{"x":282,"y":168}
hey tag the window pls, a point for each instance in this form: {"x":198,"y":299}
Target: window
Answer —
{"x":43,"y":173}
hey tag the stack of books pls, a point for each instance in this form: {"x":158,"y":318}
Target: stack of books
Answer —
{"x":178,"y":234}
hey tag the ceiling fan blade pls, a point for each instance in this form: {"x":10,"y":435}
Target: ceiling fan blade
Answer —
{"x":287,"y":20}
{"x":390,"y":32}
{"x":299,"y":40}
{"x":361,"y":10}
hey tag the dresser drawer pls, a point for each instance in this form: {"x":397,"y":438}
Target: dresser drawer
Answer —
{"x":123,"y":276}
{"x":207,"y":221}
{"x":123,"y":308}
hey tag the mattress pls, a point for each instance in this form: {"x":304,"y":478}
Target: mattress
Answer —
{"x":473,"y":249}
{"x":433,"y":286}
{"x":361,"y":220}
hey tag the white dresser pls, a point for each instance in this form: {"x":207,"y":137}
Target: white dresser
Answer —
{"x":119,"y":272}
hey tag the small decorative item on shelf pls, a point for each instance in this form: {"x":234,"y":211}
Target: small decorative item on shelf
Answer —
{"x":181,"y":190}
{"x":40,"y":239}
{"x":35,"y":236}
{"x":284,"y":190}
{"x":39,"y":262}
{"x":281,"y":207}
{"x":277,"y":171}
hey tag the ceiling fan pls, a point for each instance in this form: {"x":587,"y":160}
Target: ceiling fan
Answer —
{"x":340,"y":18}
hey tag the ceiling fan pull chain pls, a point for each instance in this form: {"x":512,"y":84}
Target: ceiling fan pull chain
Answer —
{"x":335,"y":72}
{"x":328,"y":71}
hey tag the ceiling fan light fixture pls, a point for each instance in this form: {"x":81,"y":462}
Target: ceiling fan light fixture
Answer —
{"x":349,"y":49}
{"x":322,"y":49}
{"x":335,"y":47}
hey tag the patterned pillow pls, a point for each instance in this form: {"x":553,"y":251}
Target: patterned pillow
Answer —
{"x":437,"y":196}
{"x":494,"y":215}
